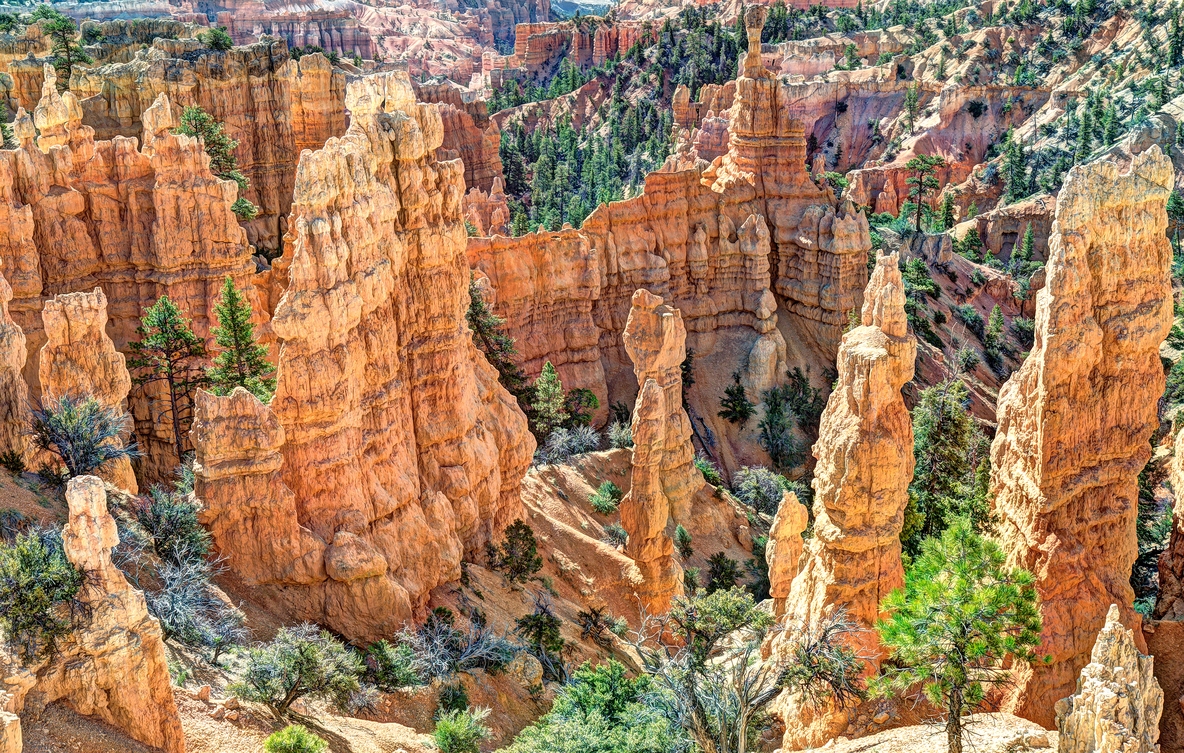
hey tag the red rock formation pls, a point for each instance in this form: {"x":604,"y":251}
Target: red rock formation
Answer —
{"x":664,"y":477}
{"x":79,"y":359}
{"x":137,"y":223}
{"x":468,"y":134}
{"x":332,"y":27}
{"x":402,"y":451}
{"x":14,"y":394}
{"x":488,"y":213}
{"x":271,"y":106}
{"x":784,"y":550}
{"x":1075,"y":420}
{"x":113,"y":665}
{"x":318,"y":102}
{"x":864,"y":466}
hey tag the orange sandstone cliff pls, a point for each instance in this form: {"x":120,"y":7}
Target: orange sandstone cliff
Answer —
{"x":1075,"y":420}
{"x":389,"y":451}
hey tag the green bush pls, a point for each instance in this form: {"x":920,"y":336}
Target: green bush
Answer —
{"x":170,"y":520}
{"x":722,"y":572}
{"x":216,"y":39}
{"x":453,"y":698}
{"x":390,"y":667}
{"x":300,"y":661}
{"x":461,"y":731}
{"x":518,"y":555}
{"x":84,"y":433}
{"x":294,"y":739}
{"x":606,"y":498}
{"x":710,"y":473}
{"x":38,"y":586}
{"x":760,"y":488}
{"x":604,"y":710}
{"x":682,"y":542}
{"x":616,"y":535}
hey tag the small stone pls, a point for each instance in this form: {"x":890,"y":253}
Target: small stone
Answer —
{"x":881,"y":717}
{"x":232,"y":716}
{"x":231,"y":703}
{"x":203,"y":693}
{"x":218,"y":713}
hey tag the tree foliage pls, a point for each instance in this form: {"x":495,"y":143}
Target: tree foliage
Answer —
{"x":169,"y":352}
{"x":38,"y":590}
{"x":961,"y":615}
{"x":517,"y":557}
{"x":82,"y":432}
{"x":241,"y":361}
{"x":220,"y":147}
{"x":301,"y":661}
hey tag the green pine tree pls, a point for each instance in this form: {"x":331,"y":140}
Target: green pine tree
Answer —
{"x":947,"y":212}
{"x":64,"y":43}
{"x":923,"y":181}
{"x":169,"y":352}
{"x":961,"y":616}
{"x":241,"y":362}
{"x":1027,"y":246}
{"x":198,"y":123}
{"x":994,"y":328}
{"x":735,"y":405}
{"x":498,"y":347}
{"x":549,"y":413}
{"x":1085,"y":138}
{"x":912,"y":98}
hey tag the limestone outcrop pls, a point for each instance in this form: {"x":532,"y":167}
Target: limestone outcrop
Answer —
{"x":864,"y":466}
{"x":663,"y":476}
{"x":76,"y":214}
{"x":318,"y":102}
{"x":1075,"y":420}
{"x":784,"y":550}
{"x":79,"y":359}
{"x":469,"y":133}
{"x":1118,"y":701}
{"x":113,"y":666}
{"x":14,"y":393}
{"x":389,"y":451}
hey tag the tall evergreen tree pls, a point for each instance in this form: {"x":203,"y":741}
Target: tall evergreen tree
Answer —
{"x":65,"y":47}
{"x":960,"y":617}
{"x":1085,"y":138}
{"x":735,"y":405}
{"x":241,"y":362}
{"x":220,"y":147}
{"x":947,"y":212}
{"x":912,"y":98}
{"x":497,"y":346}
{"x":169,"y":352}
{"x":549,"y":398}
{"x":923,"y":182}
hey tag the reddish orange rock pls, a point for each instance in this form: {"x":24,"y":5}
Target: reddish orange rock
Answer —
{"x":1075,"y":420}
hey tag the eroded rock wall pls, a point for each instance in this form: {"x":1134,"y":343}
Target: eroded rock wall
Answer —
{"x":401,"y":453}
{"x":14,"y":393}
{"x":271,"y":105}
{"x":113,"y":666}
{"x":79,"y":360}
{"x":138,"y":223}
{"x":1170,"y":604}
{"x":1075,"y":420}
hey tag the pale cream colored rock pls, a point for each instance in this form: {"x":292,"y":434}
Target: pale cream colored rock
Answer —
{"x":865,"y":464}
{"x":1170,"y":604}
{"x":1075,"y":419}
{"x":664,"y":477}
{"x":1118,"y":702}
{"x":80,"y":360}
{"x":784,"y":549}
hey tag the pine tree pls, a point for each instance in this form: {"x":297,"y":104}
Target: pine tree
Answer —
{"x":947,"y":212}
{"x":169,"y":352}
{"x":497,"y":346}
{"x":242,"y":362}
{"x":994,"y":328}
{"x":946,"y":442}
{"x":912,"y":96}
{"x":66,"y":50}
{"x":923,"y":182}
{"x":1015,"y":169}
{"x":1110,"y":125}
{"x":549,"y":413}
{"x":197,"y":122}
{"x":1027,"y":246}
{"x":961,"y":615}
{"x":735,"y":405}
{"x":1085,"y":138}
